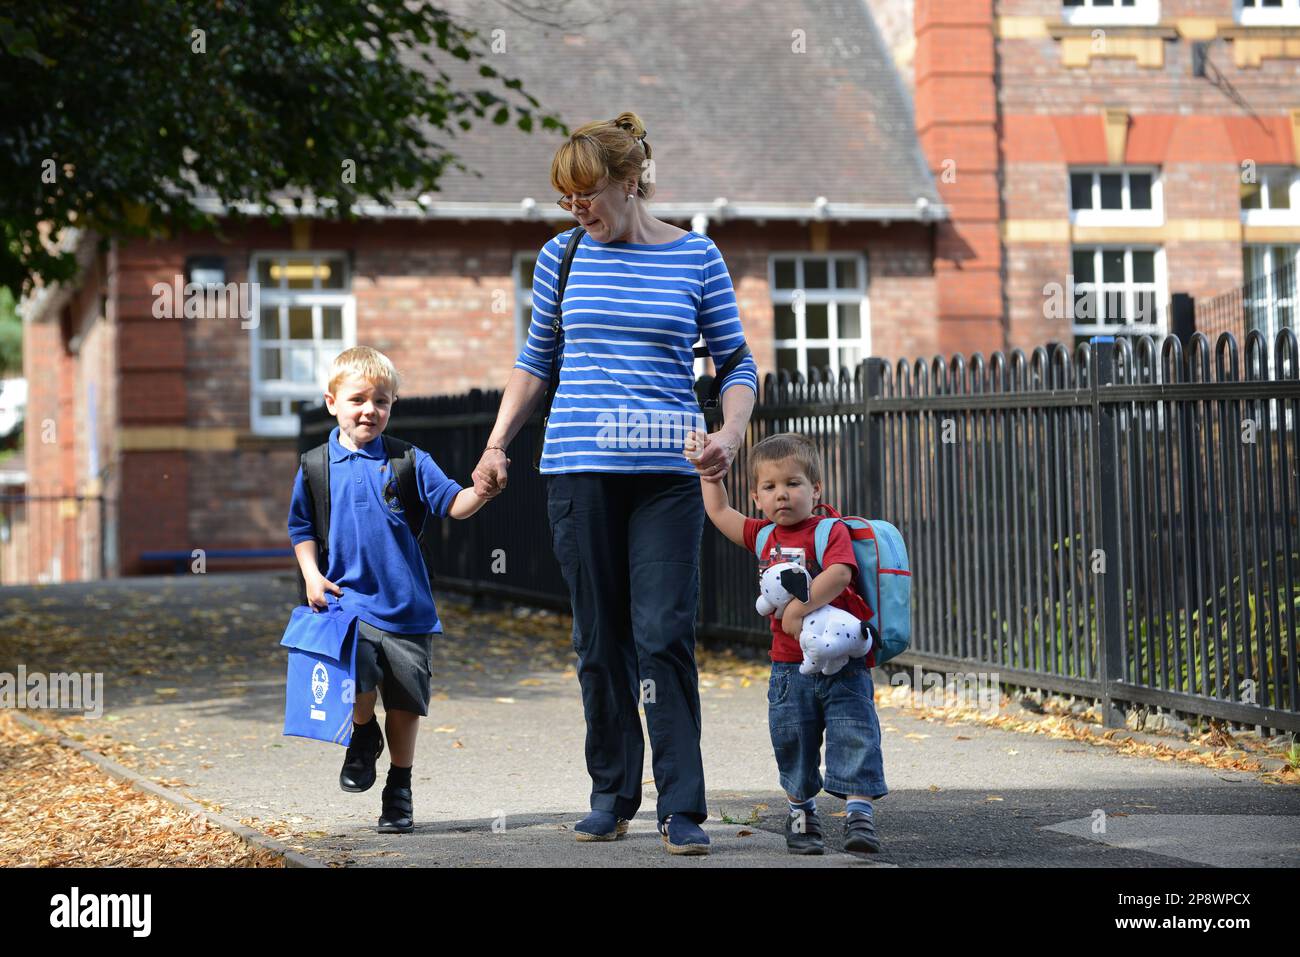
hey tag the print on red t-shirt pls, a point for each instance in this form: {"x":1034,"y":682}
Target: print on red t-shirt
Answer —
{"x":839,"y":551}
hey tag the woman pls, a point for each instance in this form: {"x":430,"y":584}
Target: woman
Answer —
{"x":624,"y":503}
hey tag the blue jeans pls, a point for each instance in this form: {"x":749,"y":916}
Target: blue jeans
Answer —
{"x":800,"y":707}
{"x":629,"y":548}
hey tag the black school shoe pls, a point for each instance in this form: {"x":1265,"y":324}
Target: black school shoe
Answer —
{"x":860,"y":834}
{"x":806,"y":838}
{"x":396,"y":815}
{"x":367,"y":745}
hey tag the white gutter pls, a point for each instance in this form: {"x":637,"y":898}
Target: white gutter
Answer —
{"x":719,"y":210}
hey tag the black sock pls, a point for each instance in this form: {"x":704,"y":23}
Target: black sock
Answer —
{"x":366,"y":730}
{"x":399,"y":777}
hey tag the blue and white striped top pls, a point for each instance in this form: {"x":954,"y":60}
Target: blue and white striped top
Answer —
{"x":632,"y":313}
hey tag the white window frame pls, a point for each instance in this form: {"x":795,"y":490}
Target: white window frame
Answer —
{"x":1155,"y":216}
{"x":259,"y":390}
{"x":1157,"y":330}
{"x":1273,"y":299}
{"x":1275,"y":217}
{"x":523,"y":299}
{"x":857,"y":295}
{"x":1286,"y":15}
{"x":1143,"y":13}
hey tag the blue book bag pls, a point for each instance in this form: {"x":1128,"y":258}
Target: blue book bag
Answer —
{"x":320,"y":687}
{"x":884,"y":575}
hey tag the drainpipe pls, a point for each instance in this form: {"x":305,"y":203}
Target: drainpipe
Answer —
{"x":700,"y":224}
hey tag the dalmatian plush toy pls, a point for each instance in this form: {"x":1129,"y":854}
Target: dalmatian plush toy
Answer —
{"x":830,"y":636}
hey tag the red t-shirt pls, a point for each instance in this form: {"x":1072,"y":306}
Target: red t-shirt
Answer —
{"x":839,"y":551}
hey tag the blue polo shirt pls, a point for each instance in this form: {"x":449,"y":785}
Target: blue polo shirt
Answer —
{"x":373,"y":556}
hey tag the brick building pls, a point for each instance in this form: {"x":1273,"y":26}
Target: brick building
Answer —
{"x":937,"y":176}
{"x":1120,"y":150}
{"x":783,"y":131}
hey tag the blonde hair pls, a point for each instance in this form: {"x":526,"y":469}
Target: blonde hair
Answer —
{"x":782,"y":446}
{"x":366,"y":363}
{"x":615,"y":147}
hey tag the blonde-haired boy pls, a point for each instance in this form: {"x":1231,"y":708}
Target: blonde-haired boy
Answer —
{"x":374,"y":568}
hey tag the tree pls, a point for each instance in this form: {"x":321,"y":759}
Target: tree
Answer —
{"x":121,"y":113}
{"x":11,"y":336}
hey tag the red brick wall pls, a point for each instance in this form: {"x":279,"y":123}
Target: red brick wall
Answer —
{"x":62,"y":357}
{"x":1034,"y":81}
{"x":153,"y":387}
{"x":1051,"y":118}
{"x":956,"y":122}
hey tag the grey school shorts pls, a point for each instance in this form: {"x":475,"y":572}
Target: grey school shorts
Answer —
{"x":400,"y":666}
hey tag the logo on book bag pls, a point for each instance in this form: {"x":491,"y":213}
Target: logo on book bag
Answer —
{"x":320,"y":682}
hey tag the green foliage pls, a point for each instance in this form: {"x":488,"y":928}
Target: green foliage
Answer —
{"x":11,"y":336}
{"x":114,"y":101}
{"x":1050,"y":640}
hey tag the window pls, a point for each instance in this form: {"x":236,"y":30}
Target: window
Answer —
{"x":1118,"y":290}
{"x":525,"y":263}
{"x":1266,"y":12}
{"x":1269,"y":302}
{"x":1116,"y":197}
{"x":306,"y":317}
{"x":822,"y":312}
{"x":1111,"y":11}
{"x":1272,"y":198}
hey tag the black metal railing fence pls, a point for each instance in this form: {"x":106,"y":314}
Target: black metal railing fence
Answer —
{"x":1117,"y":522}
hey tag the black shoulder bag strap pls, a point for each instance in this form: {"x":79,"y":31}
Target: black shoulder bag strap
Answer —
{"x":401,"y":459}
{"x":557,"y":350}
{"x":316,"y":482}
{"x":708,"y":399}
{"x":728,"y":366}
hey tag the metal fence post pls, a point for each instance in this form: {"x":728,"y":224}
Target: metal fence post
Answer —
{"x":1182,"y":317}
{"x":1106,"y":518}
{"x":873,"y":442}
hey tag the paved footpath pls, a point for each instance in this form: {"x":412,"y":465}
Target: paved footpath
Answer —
{"x":194,"y":698}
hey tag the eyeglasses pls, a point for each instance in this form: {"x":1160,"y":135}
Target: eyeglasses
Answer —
{"x":581,"y":202}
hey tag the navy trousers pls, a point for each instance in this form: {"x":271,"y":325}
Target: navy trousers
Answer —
{"x":629,"y":548}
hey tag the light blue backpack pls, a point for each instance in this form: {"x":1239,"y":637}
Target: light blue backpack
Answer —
{"x":884,"y":575}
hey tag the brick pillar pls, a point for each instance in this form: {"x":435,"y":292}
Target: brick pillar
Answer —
{"x":956,"y":119}
{"x":153,"y":504}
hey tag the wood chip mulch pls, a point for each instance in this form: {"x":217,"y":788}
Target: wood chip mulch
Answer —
{"x":61,"y":810}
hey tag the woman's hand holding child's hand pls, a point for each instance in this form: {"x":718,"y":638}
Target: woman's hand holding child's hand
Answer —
{"x":695,"y":443}
{"x":711,"y":454}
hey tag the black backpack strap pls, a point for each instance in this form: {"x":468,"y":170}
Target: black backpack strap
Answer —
{"x":557,"y":344}
{"x":316,"y":481}
{"x":733,"y":360}
{"x":401,"y":459}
